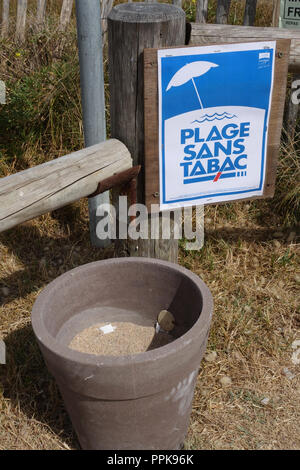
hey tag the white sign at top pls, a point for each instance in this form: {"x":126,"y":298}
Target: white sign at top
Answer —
{"x":289,"y":14}
{"x":214,"y":106}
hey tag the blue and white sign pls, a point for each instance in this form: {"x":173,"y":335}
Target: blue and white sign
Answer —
{"x":214,"y":107}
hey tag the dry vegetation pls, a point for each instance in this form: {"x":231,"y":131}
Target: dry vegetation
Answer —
{"x":250,"y":261}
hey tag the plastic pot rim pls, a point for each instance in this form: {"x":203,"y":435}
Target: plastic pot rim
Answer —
{"x":52,"y":344}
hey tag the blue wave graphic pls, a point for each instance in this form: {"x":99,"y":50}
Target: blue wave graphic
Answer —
{"x":215,"y":116}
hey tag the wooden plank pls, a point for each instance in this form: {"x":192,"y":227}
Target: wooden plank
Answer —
{"x":201,"y":11}
{"x":5,"y":18}
{"x":21,"y":20}
{"x":276,"y":113}
{"x":250,"y":12}
{"x":65,"y":14}
{"x":222,"y":13}
{"x":205,"y":34}
{"x":152,"y":129}
{"x":55,"y":184}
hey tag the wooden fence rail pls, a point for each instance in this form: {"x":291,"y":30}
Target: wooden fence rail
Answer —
{"x":60,"y":182}
{"x":214,"y":34}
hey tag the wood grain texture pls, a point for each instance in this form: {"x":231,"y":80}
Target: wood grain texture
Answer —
{"x":222,"y":13}
{"x":21,"y":21}
{"x":152,"y":130}
{"x":201,"y":11}
{"x":205,"y":34}
{"x":133,"y":27}
{"x":55,"y":184}
{"x":250,"y":12}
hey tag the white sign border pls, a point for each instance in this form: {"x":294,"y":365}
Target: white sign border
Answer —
{"x":195,"y":50}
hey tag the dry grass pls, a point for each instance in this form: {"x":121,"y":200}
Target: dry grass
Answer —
{"x":250,"y":261}
{"x":253,"y":278}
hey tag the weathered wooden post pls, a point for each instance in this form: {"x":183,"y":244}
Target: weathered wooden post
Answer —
{"x":250,"y":12}
{"x":222,"y":11}
{"x":40,"y":13}
{"x":65,"y":14}
{"x":201,"y":11}
{"x":21,"y":21}
{"x":132,"y":27}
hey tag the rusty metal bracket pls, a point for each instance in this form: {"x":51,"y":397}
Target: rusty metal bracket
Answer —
{"x":127,"y":180}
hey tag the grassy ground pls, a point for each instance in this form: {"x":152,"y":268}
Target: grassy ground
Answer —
{"x":247,"y":394}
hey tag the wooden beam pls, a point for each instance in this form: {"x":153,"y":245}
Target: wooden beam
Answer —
{"x":204,"y":34}
{"x":55,"y":184}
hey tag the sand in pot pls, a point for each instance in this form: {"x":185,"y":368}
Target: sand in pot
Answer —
{"x":119,"y":339}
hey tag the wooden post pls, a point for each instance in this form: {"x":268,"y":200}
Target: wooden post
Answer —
{"x":65,"y":14}
{"x":133,"y":27}
{"x":201,"y":11}
{"x":5,"y":18}
{"x":223,"y":11}
{"x":49,"y":186}
{"x":250,"y":12}
{"x":21,"y":21}
{"x":40,"y":13}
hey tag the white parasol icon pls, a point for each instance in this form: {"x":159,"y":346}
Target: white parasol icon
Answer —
{"x":189,"y":72}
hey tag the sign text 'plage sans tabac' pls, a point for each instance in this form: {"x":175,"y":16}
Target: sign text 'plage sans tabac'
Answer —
{"x":214,"y":108}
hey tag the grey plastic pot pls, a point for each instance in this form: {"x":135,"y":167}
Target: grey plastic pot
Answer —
{"x":141,"y":401}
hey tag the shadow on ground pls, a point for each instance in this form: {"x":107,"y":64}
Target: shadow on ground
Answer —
{"x":27,"y":383}
{"x":44,"y":257}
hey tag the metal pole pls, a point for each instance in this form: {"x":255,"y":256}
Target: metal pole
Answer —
{"x":89,"y":37}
